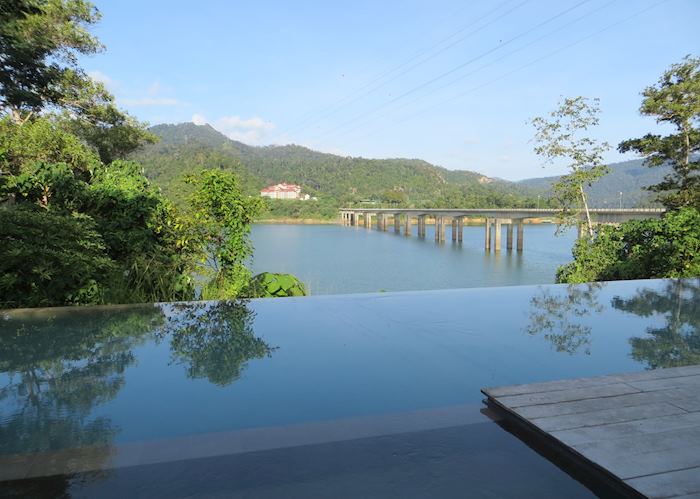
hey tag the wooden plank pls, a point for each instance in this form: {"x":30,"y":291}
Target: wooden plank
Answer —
{"x":628,"y":466}
{"x":553,"y":397}
{"x":589,"y":405}
{"x":606,"y":416}
{"x":620,"y":430}
{"x":666,"y":383}
{"x":643,"y":429}
{"x":547,"y":386}
{"x":669,"y":484}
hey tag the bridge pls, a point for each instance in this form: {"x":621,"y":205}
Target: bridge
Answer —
{"x":492,"y":218}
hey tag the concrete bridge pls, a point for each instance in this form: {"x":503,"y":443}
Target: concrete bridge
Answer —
{"x":493,"y":218}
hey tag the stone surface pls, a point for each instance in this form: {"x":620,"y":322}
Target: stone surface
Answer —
{"x":642,"y":428}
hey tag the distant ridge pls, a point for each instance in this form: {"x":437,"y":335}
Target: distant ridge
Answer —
{"x":628,"y":177}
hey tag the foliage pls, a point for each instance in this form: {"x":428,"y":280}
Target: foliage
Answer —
{"x":336,"y":180}
{"x":39,"y":44}
{"x":220,"y":219}
{"x":46,"y":185}
{"x":271,"y":285}
{"x":43,"y":140}
{"x":675,"y":101}
{"x":48,"y":259}
{"x":655,"y":248}
{"x":111,"y":213}
{"x":143,"y":233}
{"x":214,"y":339}
{"x":558,"y":136}
{"x":676,"y":342}
{"x":92,"y":115}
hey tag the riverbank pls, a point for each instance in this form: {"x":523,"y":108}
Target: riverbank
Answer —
{"x":297,"y":221}
{"x":325,"y":221}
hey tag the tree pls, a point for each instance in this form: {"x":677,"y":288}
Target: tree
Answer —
{"x":674,"y":100}
{"x":39,"y":44}
{"x":558,"y":136}
{"x":220,"y":222}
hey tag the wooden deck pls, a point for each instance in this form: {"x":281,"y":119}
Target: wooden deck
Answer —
{"x":641,"y":429}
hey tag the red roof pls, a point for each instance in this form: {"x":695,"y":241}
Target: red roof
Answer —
{"x":282,"y":188}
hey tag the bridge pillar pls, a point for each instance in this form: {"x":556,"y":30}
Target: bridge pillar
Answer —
{"x":509,"y":236}
{"x":497,"y":234}
{"x":460,"y":229}
{"x":353,"y":219}
{"x":521,"y":228}
{"x":368,"y":220}
{"x":421,"y":226}
{"x":397,"y":223}
{"x":407,"y":225}
{"x":438,"y":220}
{"x":380,"y":219}
{"x":487,"y":235}
{"x":454,"y":230}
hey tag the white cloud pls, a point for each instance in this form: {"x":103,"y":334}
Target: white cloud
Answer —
{"x":198,"y":119}
{"x":254,"y":131}
{"x":99,"y":76}
{"x":150,"y":101}
{"x":152,"y":98}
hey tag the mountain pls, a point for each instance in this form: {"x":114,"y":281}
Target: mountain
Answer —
{"x":335,"y":180}
{"x":628,"y":177}
{"x":341,"y":180}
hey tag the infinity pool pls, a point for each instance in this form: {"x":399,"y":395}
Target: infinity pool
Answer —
{"x":333,"y":396}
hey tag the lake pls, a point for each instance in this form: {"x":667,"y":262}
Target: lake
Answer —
{"x":335,"y":259}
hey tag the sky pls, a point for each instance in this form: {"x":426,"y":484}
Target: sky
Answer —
{"x":451,"y":82}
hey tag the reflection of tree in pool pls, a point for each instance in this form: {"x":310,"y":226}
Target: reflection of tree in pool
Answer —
{"x":214,"y":340}
{"x":677,"y":341}
{"x":556,"y":316}
{"x":60,"y":364}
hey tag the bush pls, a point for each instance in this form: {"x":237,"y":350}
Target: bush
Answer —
{"x":643,"y":249}
{"x":50,"y":259}
{"x":271,"y":285}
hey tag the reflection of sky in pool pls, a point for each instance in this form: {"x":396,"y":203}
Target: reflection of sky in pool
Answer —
{"x":125,"y":375}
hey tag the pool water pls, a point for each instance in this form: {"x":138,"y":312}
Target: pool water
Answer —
{"x":346,"y":396}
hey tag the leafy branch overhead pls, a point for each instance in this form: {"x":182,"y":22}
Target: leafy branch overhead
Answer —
{"x":674,"y":101}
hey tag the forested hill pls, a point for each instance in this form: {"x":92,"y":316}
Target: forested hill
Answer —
{"x":627,"y":177}
{"x":335,"y":180}
{"x":338,"y":180}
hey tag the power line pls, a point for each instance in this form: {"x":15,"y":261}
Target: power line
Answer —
{"x":455,"y":69}
{"x":358,"y":94}
{"x":529,"y":64}
{"x":505,"y":56}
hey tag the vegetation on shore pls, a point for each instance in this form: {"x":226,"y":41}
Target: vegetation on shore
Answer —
{"x":669,"y":247}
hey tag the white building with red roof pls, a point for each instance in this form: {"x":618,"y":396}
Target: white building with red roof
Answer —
{"x":283,"y":191}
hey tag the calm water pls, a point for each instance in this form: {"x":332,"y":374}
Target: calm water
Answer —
{"x":330,"y":396}
{"x":333,"y":259}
